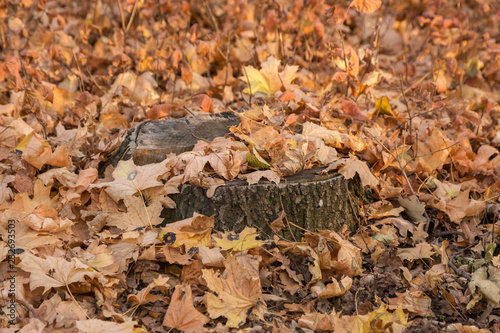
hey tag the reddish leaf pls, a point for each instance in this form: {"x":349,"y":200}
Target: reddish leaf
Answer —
{"x":352,"y":110}
{"x":205,"y":103}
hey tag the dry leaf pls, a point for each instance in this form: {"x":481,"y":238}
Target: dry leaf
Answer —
{"x":366,"y":6}
{"x":237,"y":291}
{"x":53,"y":272}
{"x":181,"y":314}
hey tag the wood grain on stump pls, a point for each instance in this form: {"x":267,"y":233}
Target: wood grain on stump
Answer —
{"x":310,"y":201}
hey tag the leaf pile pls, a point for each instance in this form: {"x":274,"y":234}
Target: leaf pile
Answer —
{"x":403,"y":94}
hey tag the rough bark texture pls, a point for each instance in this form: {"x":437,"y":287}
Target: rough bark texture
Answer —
{"x":310,"y":201}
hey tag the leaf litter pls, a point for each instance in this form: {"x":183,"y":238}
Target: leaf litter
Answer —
{"x":402,"y":95}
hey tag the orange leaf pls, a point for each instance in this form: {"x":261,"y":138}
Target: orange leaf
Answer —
{"x":366,"y":6}
{"x":181,"y":313}
{"x":186,"y":72}
{"x":287,"y":96}
{"x":205,"y":103}
{"x":352,"y":110}
{"x":165,"y":110}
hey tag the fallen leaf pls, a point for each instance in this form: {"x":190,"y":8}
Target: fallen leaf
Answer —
{"x":53,"y":272}
{"x":138,"y":215}
{"x":420,"y":251}
{"x":354,"y":166}
{"x":245,"y":240}
{"x":268,"y":80}
{"x":237,"y":291}
{"x":181,"y":313}
{"x":366,"y":6}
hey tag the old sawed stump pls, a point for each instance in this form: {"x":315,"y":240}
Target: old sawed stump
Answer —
{"x":310,"y":201}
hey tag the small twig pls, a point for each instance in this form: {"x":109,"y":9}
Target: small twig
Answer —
{"x":131,"y":16}
{"x":345,"y":62}
{"x":249,"y":87}
{"x":449,"y":233}
{"x":457,"y":270}
{"x":121,"y":14}
{"x":410,"y":116}
{"x":185,"y":108}
{"x":286,"y":219}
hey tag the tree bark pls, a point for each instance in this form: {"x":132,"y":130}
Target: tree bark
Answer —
{"x":310,"y":201}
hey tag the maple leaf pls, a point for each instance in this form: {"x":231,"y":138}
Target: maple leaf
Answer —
{"x":130,"y":179}
{"x":53,"y":272}
{"x":413,"y":301}
{"x":335,"y":288}
{"x":37,"y":152}
{"x":254,"y":177}
{"x":137,"y":215}
{"x":413,"y":208}
{"x":354,"y":166}
{"x":237,"y":291}
{"x":27,"y":238}
{"x":243,"y":241}
{"x":268,"y":80}
{"x":420,"y":251}
{"x":101,"y":326}
{"x":191,"y":232}
{"x":39,"y":213}
{"x":460,"y":206}
{"x":432,"y":152}
{"x":181,"y":313}
{"x":345,"y":257}
{"x":381,"y":209}
{"x":366,"y":6}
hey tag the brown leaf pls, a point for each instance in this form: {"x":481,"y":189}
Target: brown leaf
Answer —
{"x":181,"y":314}
{"x":205,"y":103}
{"x":175,"y":58}
{"x":186,"y":72}
{"x":5,"y":192}
{"x":256,"y":176}
{"x":352,"y":110}
{"x":137,"y":215}
{"x":287,"y":96}
{"x":354,"y":166}
{"x":366,"y":6}
{"x":165,"y":110}
{"x":238,"y":290}
{"x":130,"y":179}
{"x":53,"y":272}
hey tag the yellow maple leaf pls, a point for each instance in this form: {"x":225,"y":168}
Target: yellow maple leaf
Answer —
{"x":268,"y":80}
{"x":239,"y":242}
{"x":238,"y":290}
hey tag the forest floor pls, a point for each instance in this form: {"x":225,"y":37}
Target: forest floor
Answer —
{"x":403,"y":94}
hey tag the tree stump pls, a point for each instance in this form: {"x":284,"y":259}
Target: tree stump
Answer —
{"x":311,"y":201}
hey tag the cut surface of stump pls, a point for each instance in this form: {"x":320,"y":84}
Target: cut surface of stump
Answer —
{"x":311,"y":201}
{"x":152,"y":141}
